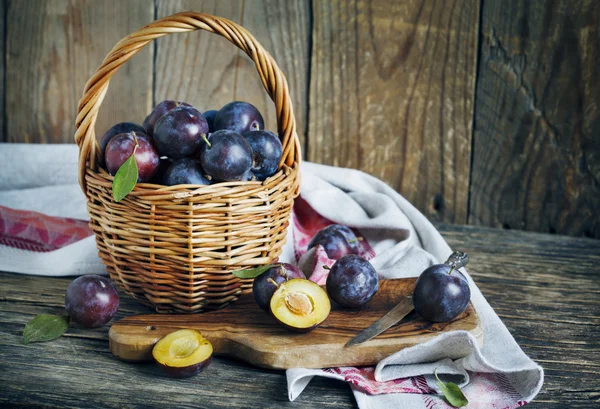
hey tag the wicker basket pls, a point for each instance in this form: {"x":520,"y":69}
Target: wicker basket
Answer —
{"x":173,"y":248}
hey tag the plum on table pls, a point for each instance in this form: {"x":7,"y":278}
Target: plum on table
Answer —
{"x":183,"y":353}
{"x":299,"y":305}
{"x":442,"y":292}
{"x":263,"y":289}
{"x":337,"y":240}
{"x":352,"y":281}
{"x":91,"y":301}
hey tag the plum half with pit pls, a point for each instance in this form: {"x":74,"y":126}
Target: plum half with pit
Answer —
{"x":91,"y":301}
{"x":180,"y":132}
{"x":240,"y":117}
{"x":185,"y":171}
{"x":352,"y":281}
{"x":183,"y":353}
{"x":226,"y":156}
{"x":159,"y":110}
{"x":337,"y":240}
{"x":263,"y":289}
{"x":266,"y":153}
{"x":300,"y":305}
{"x":120,"y":148}
{"x":441,"y":293}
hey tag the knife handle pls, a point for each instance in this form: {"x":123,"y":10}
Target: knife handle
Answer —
{"x":457,"y":259}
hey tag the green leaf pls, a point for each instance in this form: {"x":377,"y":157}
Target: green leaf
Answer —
{"x":452,"y":393}
{"x":253,"y":272}
{"x":125,"y":179}
{"x":45,"y":327}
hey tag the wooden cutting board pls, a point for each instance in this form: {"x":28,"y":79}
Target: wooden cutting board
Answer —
{"x":244,"y":331}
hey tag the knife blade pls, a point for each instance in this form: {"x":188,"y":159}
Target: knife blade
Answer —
{"x":401,"y":310}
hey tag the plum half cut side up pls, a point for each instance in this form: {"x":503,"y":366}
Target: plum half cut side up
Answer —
{"x":183,"y":353}
{"x":300,"y":305}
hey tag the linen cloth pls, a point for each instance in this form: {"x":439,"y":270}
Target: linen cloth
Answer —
{"x":43,"y":178}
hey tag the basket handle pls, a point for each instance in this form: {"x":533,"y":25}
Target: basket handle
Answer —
{"x":270,"y":74}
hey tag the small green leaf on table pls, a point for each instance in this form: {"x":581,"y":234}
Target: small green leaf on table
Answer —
{"x":253,"y":272}
{"x":452,"y":393}
{"x":125,"y":179}
{"x":45,"y":327}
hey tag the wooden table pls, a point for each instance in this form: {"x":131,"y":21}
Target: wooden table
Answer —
{"x":546,"y":288}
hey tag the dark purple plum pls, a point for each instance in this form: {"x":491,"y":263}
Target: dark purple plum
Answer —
{"x":91,"y":301}
{"x":210,"y":119}
{"x":266,"y":153}
{"x":352,"y":281}
{"x":337,"y":240}
{"x":263,"y":290}
{"x":180,"y":132}
{"x":120,"y":148}
{"x":226,"y":157}
{"x":159,"y":176}
{"x":239,"y":117}
{"x":158,"y":111}
{"x":185,"y":171}
{"x":123,"y":127}
{"x":441,"y":293}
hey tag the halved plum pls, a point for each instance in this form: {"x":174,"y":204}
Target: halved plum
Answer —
{"x":183,"y":353}
{"x":300,"y":305}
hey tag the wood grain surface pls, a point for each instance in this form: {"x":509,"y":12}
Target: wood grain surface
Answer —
{"x":544,"y":287}
{"x":536,"y":158}
{"x":242,"y":330}
{"x":208,"y":72}
{"x":401,"y":105}
{"x":53,"y":47}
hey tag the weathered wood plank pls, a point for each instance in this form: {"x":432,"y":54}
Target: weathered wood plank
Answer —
{"x":53,"y":47}
{"x":207,"y":71}
{"x":536,"y":149}
{"x":2,"y":68}
{"x":392,"y":89}
{"x":544,"y":287}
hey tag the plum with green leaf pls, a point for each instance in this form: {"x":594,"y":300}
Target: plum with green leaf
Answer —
{"x":122,"y":146}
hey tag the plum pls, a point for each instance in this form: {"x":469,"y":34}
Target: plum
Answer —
{"x":123,"y":127}
{"x":352,"y":281}
{"x":210,"y":119}
{"x":91,"y":301}
{"x":227,"y":156}
{"x":266,"y":153}
{"x":441,"y":293}
{"x":263,"y":289}
{"x":183,"y":353}
{"x":300,"y":305}
{"x":239,"y":117}
{"x":180,"y":132}
{"x":159,"y":176}
{"x":337,"y":240}
{"x":159,"y":110}
{"x":120,"y":148}
{"x":185,"y":171}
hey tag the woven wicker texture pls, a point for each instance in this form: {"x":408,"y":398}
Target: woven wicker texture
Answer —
{"x":174,"y":247}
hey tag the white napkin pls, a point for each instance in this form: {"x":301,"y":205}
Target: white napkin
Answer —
{"x":404,"y":241}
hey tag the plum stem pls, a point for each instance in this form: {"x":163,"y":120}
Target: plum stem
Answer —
{"x":326,"y":267}
{"x":206,"y":140}
{"x":135,"y":139}
{"x":355,"y":240}
{"x":270,"y":280}
{"x":451,"y":270}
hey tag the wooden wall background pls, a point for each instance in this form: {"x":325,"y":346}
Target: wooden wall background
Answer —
{"x":478,"y":111}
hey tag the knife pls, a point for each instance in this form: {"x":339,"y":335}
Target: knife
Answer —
{"x":457,"y":259}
